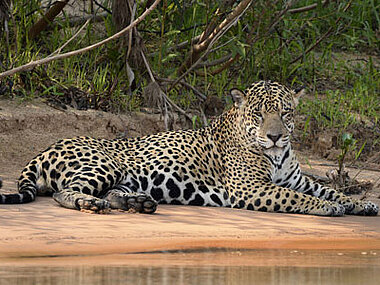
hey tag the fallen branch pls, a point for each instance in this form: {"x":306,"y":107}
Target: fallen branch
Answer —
{"x":33,"y":64}
{"x":183,"y":112}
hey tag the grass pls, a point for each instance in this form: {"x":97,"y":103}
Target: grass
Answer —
{"x":356,"y":99}
{"x":346,"y":90}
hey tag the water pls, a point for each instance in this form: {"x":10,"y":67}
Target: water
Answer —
{"x":199,"y":267}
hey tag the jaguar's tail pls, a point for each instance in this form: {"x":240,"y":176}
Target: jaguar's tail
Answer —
{"x":25,"y":195}
{"x":18,"y":198}
{"x":27,"y":189}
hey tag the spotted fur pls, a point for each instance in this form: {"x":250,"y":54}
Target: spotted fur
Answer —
{"x":243,"y":159}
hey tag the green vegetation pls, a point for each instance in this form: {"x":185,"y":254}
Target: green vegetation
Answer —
{"x":332,"y":49}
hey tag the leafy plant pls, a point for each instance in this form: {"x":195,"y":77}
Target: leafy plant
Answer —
{"x":348,"y":144}
{"x":266,"y":47}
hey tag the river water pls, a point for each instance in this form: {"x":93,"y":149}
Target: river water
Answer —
{"x":212,"y":266}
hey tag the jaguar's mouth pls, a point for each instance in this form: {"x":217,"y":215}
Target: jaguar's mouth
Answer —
{"x":274,"y":151}
{"x":272,"y":147}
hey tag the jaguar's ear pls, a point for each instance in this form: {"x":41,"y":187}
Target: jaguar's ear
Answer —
{"x":238,"y":97}
{"x":298,"y":93}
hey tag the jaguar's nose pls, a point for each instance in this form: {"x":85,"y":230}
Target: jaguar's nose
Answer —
{"x":274,"y":138}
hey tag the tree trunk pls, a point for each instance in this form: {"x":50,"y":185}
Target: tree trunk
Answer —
{"x":123,"y":13}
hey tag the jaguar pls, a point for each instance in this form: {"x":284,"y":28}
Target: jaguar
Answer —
{"x":242,"y":159}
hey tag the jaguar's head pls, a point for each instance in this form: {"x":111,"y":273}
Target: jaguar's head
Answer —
{"x":266,"y":115}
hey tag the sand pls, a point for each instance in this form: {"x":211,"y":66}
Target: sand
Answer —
{"x":44,"y":229}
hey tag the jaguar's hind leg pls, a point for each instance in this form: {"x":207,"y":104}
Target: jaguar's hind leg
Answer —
{"x":71,"y":199}
{"x":123,"y":198}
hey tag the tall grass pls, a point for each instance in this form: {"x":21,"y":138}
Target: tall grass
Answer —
{"x":343,"y":89}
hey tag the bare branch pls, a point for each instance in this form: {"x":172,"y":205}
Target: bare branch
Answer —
{"x":280,"y":15}
{"x":33,"y":64}
{"x":231,"y":17}
{"x":205,"y":42}
{"x":133,"y":14}
{"x":77,"y":21}
{"x":58,"y":51}
{"x":218,"y":61}
{"x":226,"y":65}
{"x":229,"y":61}
{"x":306,"y":8}
{"x":163,"y":95}
{"x":238,"y":12}
{"x":187,"y":85}
{"x":148,"y":67}
{"x":178,"y":46}
{"x":183,"y":112}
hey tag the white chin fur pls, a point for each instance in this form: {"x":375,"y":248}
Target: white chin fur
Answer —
{"x":274,"y":152}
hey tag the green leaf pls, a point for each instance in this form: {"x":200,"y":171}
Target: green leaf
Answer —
{"x":176,"y":2}
{"x":360,"y":151}
{"x":174,"y":32}
{"x":346,"y":137}
{"x":348,"y":141}
{"x":169,"y":57}
{"x":239,"y":48}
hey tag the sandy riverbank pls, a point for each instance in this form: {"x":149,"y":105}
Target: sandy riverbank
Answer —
{"x":42,"y":229}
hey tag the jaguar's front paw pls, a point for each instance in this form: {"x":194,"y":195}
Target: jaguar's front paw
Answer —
{"x":93,"y":205}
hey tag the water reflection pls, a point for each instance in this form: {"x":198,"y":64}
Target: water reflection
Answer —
{"x":82,"y":275}
{"x":212,"y":267}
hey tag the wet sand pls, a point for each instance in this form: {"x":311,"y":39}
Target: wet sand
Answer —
{"x":43,"y":232}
